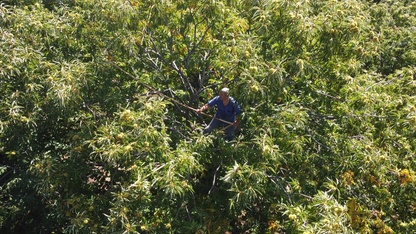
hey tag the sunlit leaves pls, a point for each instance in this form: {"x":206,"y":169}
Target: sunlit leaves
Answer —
{"x":65,"y":82}
{"x":137,"y":131}
{"x":246,"y":184}
{"x":333,"y":217}
{"x":327,"y":89}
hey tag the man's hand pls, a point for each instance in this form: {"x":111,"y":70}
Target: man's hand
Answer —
{"x":202,"y":109}
{"x":236,"y":123}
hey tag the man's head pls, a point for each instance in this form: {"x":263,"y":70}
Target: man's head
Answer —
{"x":224,"y":92}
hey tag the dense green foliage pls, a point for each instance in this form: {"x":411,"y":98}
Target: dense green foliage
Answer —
{"x":327,"y":144}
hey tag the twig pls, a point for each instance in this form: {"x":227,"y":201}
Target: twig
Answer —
{"x":215,"y":178}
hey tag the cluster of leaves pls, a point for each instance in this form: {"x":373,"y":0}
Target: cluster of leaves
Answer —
{"x":328,"y":90}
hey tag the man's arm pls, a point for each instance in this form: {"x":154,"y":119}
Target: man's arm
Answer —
{"x":237,"y":112}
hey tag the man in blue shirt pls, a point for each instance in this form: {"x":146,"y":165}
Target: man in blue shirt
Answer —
{"x":226,"y":116}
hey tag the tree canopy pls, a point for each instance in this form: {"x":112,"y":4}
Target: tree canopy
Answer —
{"x":98,"y":132}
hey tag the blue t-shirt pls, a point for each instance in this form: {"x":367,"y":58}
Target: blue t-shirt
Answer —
{"x":228,"y":112}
